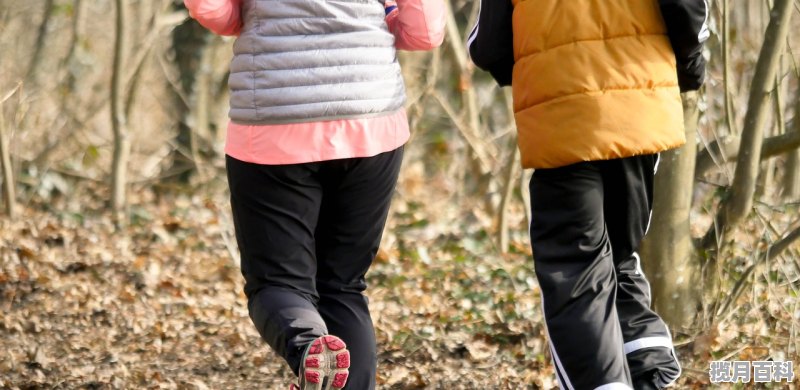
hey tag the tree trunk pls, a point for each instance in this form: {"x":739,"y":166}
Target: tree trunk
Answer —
{"x":79,"y":10}
{"x":767,"y":180}
{"x":204,"y":83}
{"x":667,"y":252}
{"x":9,"y":194}
{"x":38,"y":48}
{"x":791,"y":180}
{"x":119,"y":120}
{"x":511,"y":176}
{"x":190,"y":42}
{"x":737,"y":205}
{"x":766,"y":176}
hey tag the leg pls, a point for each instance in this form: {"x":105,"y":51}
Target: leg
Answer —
{"x":629,"y":198}
{"x":354,"y":210}
{"x":275,"y":211}
{"x":575,"y":269}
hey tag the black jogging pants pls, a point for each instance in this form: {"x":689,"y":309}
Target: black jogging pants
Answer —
{"x":588,"y":220}
{"x":307,"y":234}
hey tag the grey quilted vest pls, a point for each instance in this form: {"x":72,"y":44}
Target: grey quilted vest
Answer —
{"x":313,"y":60}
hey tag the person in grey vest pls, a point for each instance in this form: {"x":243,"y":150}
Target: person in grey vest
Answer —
{"x":313,"y":151}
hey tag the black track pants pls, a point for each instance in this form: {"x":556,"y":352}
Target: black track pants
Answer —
{"x":307,"y":234}
{"x":588,"y":221}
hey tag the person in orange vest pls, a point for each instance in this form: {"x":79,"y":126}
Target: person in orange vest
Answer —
{"x":596,"y":88}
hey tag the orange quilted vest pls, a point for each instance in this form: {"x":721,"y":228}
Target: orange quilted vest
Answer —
{"x":593,"y":80}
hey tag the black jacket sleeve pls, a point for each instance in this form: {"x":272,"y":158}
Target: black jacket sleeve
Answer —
{"x":687,"y":30}
{"x":491,"y":44}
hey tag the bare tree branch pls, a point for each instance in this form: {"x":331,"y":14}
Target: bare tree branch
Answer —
{"x":122,"y":143}
{"x":11,"y":93}
{"x":770,"y":254}
{"x":475,"y":142}
{"x":730,"y":121}
{"x":739,"y":201}
{"x":772,"y":147}
{"x":486,"y":152}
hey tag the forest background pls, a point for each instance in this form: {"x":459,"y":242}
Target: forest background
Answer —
{"x":118,"y":263}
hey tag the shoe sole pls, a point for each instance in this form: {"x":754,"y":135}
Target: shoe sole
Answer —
{"x":326,"y":364}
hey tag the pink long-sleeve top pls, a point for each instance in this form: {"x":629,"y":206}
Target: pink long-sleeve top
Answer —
{"x":416,"y":25}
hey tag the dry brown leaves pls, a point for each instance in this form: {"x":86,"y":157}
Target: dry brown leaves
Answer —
{"x":158,"y":304}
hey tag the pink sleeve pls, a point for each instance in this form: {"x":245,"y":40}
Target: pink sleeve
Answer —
{"x":220,"y":16}
{"x":416,"y":24}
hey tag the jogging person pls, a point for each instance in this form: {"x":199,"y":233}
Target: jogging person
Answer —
{"x":596,"y":86}
{"x":313,"y":149}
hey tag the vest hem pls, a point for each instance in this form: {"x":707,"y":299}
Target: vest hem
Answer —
{"x":268,"y":122}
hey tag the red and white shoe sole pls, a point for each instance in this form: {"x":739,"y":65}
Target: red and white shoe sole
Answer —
{"x":327,"y":364}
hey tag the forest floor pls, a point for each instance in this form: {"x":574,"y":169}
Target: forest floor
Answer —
{"x":159,"y":304}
